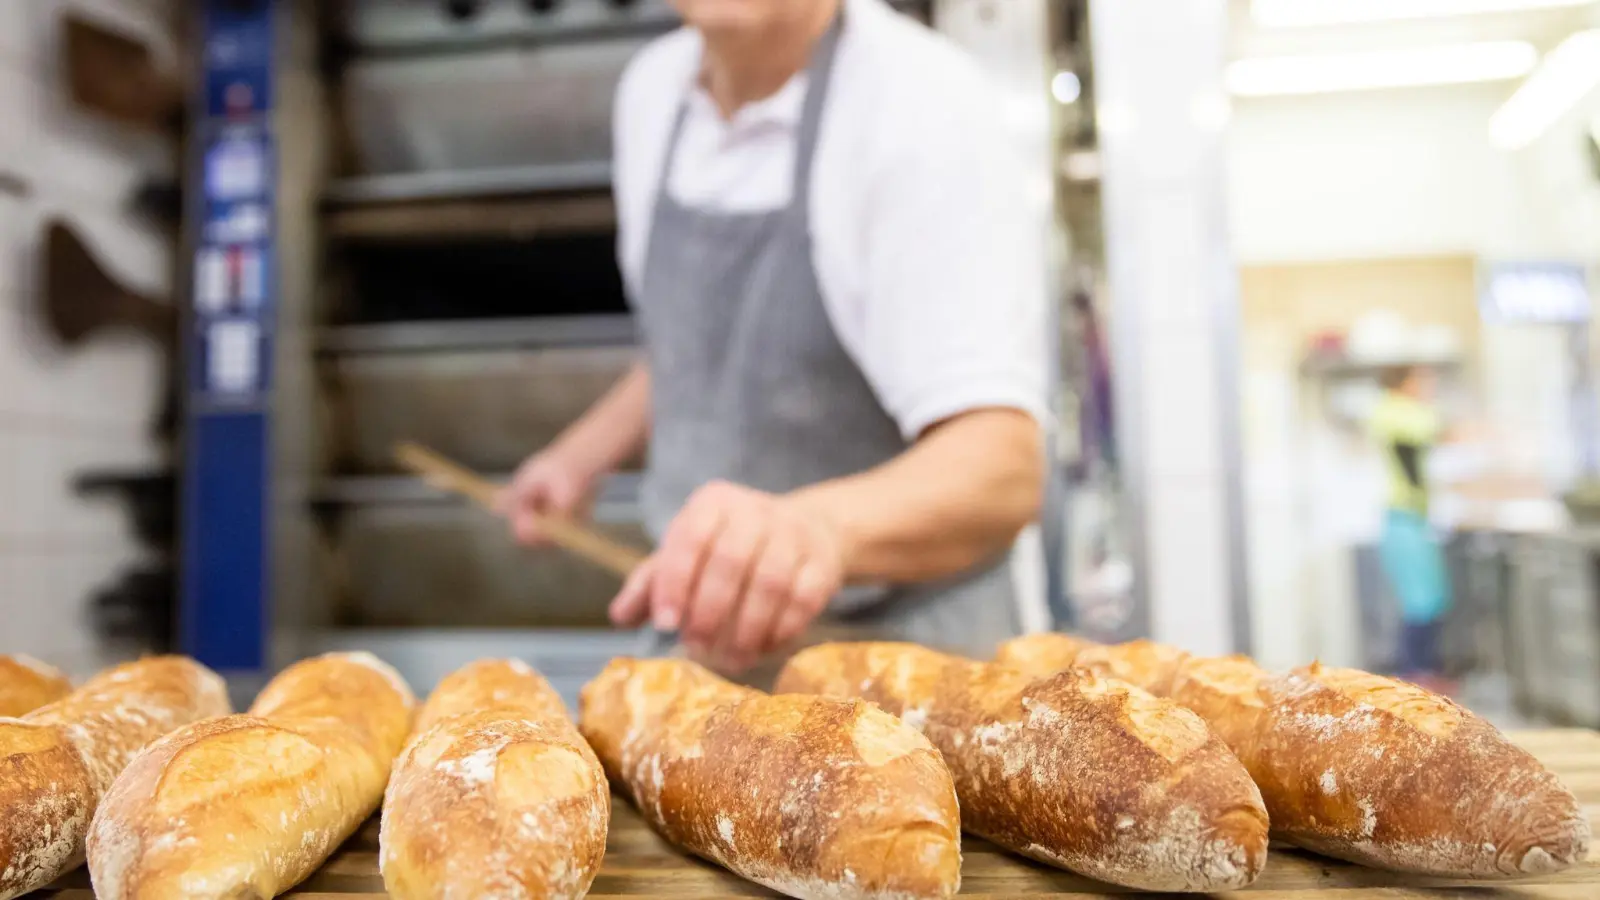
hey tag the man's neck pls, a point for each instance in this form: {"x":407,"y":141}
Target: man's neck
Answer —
{"x":739,"y":69}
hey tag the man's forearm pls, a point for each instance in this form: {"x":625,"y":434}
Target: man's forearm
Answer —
{"x":615,"y":428}
{"x":959,"y":496}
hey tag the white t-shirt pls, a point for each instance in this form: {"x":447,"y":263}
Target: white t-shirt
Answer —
{"x":931,"y":265}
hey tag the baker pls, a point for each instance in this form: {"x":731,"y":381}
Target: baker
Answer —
{"x":826,"y":240}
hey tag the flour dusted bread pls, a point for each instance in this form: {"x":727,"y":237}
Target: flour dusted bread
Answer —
{"x":1082,"y":772}
{"x":813,"y":797}
{"x":27,"y":684}
{"x":57,"y":762}
{"x":1381,"y":772}
{"x":247,"y":806}
{"x":1042,"y":654}
{"x":497,"y":797}
{"x":1143,"y":663}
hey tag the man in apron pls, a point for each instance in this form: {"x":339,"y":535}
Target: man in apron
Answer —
{"x":841,"y":299}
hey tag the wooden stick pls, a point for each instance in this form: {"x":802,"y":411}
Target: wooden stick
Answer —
{"x":575,"y":539}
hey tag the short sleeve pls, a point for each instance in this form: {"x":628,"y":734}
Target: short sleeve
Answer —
{"x":954,"y":309}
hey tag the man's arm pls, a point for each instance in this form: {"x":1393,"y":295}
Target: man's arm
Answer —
{"x":959,"y":496}
{"x":561,"y":479}
{"x":616,"y":427}
{"x":741,"y":572}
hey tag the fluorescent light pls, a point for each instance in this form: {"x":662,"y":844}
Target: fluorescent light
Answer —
{"x":1329,"y":73}
{"x":1066,"y":87}
{"x":1303,"y":13}
{"x":1567,"y":75}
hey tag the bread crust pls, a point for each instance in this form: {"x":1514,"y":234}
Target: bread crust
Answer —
{"x":1143,"y":663}
{"x":1085,"y":773}
{"x":27,"y":684}
{"x":247,"y":806}
{"x":1042,"y":654}
{"x":57,"y":762}
{"x":497,"y":797}
{"x":1384,"y":773}
{"x":812,"y":797}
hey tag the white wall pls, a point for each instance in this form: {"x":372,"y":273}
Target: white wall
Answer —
{"x":62,"y":413}
{"x":1377,"y":174}
{"x":1374,"y":175}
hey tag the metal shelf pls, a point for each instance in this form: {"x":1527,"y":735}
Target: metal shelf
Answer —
{"x":382,"y":29}
{"x":471,"y":183}
{"x":480,"y":334}
{"x":517,"y":218}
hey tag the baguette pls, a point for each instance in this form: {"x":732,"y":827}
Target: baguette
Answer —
{"x":57,"y":762}
{"x":497,"y":795}
{"x":812,"y":797}
{"x":1043,"y":654}
{"x":1082,"y":772}
{"x":1383,"y":773}
{"x":1143,"y":663}
{"x":247,"y":806}
{"x":27,"y":684}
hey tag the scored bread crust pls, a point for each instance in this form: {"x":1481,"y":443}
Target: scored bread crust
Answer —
{"x":57,"y":762}
{"x":809,"y":796}
{"x":497,"y":797}
{"x":1041,"y":654}
{"x":1082,"y":772}
{"x":1384,"y":773}
{"x":27,"y":684}
{"x":247,"y":806}
{"x":1142,"y":663}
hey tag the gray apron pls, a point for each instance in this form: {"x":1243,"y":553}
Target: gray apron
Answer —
{"x":750,"y":384}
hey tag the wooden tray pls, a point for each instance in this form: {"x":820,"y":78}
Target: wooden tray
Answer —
{"x":640,"y":864}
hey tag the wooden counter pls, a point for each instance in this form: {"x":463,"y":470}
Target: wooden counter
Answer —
{"x":639,"y":864}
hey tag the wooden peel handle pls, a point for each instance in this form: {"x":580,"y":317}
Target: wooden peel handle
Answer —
{"x":575,"y":539}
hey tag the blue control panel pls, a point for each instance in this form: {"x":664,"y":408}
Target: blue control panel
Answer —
{"x":228,"y":339}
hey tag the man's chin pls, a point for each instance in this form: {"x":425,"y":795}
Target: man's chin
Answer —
{"x":725,"y":17}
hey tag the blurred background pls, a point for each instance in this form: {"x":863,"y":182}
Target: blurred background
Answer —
{"x":246,"y":246}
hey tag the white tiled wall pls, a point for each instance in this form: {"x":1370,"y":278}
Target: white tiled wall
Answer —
{"x":62,"y":413}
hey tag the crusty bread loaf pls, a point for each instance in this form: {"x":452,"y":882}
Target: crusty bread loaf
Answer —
{"x":497,"y":797}
{"x":27,"y":684}
{"x":57,"y":762}
{"x":1043,"y":654}
{"x":813,"y":797}
{"x":1143,"y":663}
{"x":1381,"y":772}
{"x":1147,"y":664}
{"x":1082,"y":772}
{"x":247,"y":806}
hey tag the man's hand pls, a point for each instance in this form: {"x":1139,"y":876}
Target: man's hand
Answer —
{"x":551,"y":483}
{"x":738,"y":574}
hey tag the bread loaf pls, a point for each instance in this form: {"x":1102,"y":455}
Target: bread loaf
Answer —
{"x":1143,"y":663}
{"x":813,"y":797}
{"x":1042,"y":654}
{"x":57,"y":762}
{"x":27,"y":684}
{"x":1381,"y":772}
{"x":497,"y":797}
{"x":1082,"y":772}
{"x":247,"y":806}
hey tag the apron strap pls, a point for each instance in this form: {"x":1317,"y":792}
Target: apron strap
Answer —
{"x":820,"y":78}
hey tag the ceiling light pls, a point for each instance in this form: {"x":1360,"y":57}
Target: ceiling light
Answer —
{"x":1330,"y":73}
{"x":1066,"y":87}
{"x":1302,"y":13}
{"x":1565,"y":76}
